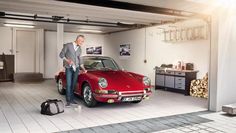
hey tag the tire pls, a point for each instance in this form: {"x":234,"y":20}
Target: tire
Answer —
{"x":60,"y":87}
{"x":136,"y":101}
{"x":88,"y":96}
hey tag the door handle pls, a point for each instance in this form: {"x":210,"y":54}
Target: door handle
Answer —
{"x":17,"y":51}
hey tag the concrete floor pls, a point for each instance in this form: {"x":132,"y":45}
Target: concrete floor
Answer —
{"x":20,"y":109}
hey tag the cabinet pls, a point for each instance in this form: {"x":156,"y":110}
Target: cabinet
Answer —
{"x":160,"y":80}
{"x":169,"y":81}
{"x":6,"y":74}
{"x":174,"y":80}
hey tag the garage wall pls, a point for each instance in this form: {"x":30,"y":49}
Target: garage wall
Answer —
{"x":51,"y":56}
{"x":226,"y":59}
{"x":157,"y":51}
{"x":6,"y":40}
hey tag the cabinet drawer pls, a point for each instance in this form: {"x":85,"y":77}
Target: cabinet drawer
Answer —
{"x":180,"y":80}
{"x":180,"y":86}
{"x":170,"y":81}
{"x":160,"y":80}
{"x":170,"y":73}
{"x":180,"y":73}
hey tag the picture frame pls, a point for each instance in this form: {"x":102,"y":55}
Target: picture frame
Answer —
{"x":125,"y":50}
{"x":94,"y":50}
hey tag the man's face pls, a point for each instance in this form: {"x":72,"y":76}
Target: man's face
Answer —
{"x":79,"y":41}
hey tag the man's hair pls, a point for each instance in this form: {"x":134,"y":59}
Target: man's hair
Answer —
{"x":79,"y":36}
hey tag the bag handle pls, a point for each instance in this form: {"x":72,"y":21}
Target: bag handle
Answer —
{"x":57,"y":107}
{"x":52,"y":100}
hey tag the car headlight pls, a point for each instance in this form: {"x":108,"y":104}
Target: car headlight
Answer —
{"x":102,"y":83}
{"x":146,"y":81}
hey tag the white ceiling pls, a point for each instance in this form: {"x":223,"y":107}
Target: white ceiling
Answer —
{"x":95,"y":13}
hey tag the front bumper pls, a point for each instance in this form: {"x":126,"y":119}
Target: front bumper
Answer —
{"x":110,"y":98}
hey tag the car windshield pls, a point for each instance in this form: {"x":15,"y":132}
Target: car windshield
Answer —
{"x":99,"y":63}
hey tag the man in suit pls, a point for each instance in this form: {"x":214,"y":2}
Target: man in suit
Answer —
{"x":70,"y":54}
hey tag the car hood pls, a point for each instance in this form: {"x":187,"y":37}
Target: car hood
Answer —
{"x":119,"y":80}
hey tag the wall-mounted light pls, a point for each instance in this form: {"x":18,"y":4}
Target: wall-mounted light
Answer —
{"x":90,"y":31}
{"x":18,"y":25}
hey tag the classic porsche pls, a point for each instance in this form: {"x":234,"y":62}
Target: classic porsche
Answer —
{"x":106,"y":82}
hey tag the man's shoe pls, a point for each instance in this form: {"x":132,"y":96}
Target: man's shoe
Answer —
{"x":67,"y":104}
{"x":74,"y":102}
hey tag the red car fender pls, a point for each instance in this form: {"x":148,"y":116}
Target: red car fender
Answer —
{"x":140,"y":78}
{"x":62,"y":76}
{"x":137,"y":76}
{"x":83,"y":78}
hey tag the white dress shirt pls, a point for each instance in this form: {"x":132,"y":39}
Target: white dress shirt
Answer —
{"x":75,"y":46}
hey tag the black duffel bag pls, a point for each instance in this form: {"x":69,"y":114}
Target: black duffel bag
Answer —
{"x":52,"y":107}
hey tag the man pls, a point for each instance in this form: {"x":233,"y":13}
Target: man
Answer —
{"x":70,"y":54}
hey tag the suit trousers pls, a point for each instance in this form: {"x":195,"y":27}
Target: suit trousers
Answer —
{"x":71,"y":82}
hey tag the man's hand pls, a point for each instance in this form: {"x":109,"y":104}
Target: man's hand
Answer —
{"x":84,"y":71}
{"x":70,"y":62}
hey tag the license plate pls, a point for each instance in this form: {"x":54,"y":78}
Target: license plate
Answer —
{"x":129,"y":99}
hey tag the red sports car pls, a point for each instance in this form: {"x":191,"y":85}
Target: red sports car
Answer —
{"x":105,"y":81}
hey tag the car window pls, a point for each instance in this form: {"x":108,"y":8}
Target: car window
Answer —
{"x":109,"y":64}
{"x":92,"y":64}
{"x":100,"y":64}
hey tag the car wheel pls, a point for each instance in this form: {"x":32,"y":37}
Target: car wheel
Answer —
{"x":88,"y":96}
{"x":60,"y":87}
{"x":136,"y":101}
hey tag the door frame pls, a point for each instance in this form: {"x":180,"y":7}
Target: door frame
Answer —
{"x":39,"y":48}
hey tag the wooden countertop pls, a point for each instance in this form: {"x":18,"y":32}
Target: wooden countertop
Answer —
{"x":176,"y":70}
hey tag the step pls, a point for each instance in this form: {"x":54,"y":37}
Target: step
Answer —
{"x":229,"y":109}
{"x":28,"y":77}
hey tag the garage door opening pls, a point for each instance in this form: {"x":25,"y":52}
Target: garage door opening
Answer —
{"x":171,"y":49}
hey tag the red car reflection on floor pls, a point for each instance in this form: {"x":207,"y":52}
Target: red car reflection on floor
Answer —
{"x":106,"y":82}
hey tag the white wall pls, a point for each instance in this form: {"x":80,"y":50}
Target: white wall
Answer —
{"x":213,"y":79}
{"x":51,"y":55}
{"x":90,"y":40}
{"x":8,"y":44}
{"x":157,"y":51}
{"x":6,"y":40}
{"x":226,"y":78}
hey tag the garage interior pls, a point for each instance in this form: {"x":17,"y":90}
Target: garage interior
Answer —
{"x":169,"y":42}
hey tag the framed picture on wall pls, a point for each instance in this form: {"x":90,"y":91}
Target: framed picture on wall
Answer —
{"x":203,"y":32}
{"x":161,"y":35}
{"x":183,"y":34}
{"x":178,"y":35}
{"x":125,"y":50}
{"x":89,"y":50}
{"x":97,"y":50}
{"x":167,"y":36}
{"x":173,"y":35}
{"x":190,"y":35}
{"x":94,"y":50}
